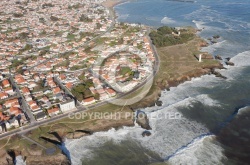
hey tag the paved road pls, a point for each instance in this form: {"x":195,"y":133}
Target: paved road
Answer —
{"x":84,"y":44}
{"x":36,"y":124}
{"x":24,"y":105}
{"x":66,"y":90}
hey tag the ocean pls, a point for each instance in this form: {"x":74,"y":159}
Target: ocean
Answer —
{"x":215,"y":113}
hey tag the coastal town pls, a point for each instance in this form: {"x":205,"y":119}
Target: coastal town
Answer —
{"x":59,"y":56}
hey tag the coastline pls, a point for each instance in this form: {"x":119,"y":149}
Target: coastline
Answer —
{"x":191,"y":69}
{"x":150,"y":100}
{"x":112,"y":3}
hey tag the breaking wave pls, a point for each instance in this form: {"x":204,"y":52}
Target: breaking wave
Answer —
{"x":167,"y":20}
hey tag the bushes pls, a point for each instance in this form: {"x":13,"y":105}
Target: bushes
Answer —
{"x":164,"y":37}
{"x":82,"y":91}
{"x":85,"y":18}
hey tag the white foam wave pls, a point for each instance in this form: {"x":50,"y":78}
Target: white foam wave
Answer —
{"x":207,"y":15}
{"x":167,"y":134}
{"x":190,"y":89}
{"x":83,"y":148}
{"x":170,"y":134}
{"x":241,"y":59}
{"x":202,"y":151}
{"x":243,"y":110}
{"x":167,"y":20}
{"x":187,"y":93}
{"x":212,"y":48}
{"x":199,"y":24}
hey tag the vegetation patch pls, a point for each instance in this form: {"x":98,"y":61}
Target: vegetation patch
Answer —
{"x":167,"y":36}
{"x":81,"y":91}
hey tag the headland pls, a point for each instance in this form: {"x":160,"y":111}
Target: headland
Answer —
{"x":177,"y":63}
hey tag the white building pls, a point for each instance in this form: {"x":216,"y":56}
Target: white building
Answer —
{"x":67,"y":105}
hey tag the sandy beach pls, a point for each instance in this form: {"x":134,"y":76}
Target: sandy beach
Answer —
{"x":112,"y":3}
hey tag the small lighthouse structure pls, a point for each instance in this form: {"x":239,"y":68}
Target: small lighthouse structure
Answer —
{"x":200,"y":57}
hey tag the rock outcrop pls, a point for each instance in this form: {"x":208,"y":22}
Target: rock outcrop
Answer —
{"x":142,"y":120}
{"x":217,"y":74}
{"x":146,"y":133}
{"x":218,"y":57}
{"x":229,"y":63}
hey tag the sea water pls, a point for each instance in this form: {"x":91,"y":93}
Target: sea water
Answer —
{"x":215,"y":117}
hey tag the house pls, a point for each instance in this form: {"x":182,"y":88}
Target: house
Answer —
{"x":10,"y":103}
{"x":3,"y":95}
{"x":36,"y":78}
{"x":15,"y":111}
{"x":28,"y":98}
{"x":9,"y":90}
{"x":32,"y":85}
{"x":52,"y":84}
{"x":20,"y":80}
{"x":100,"y":91}
{"x":26,"y":73}
{"x":56,"y":90}
{"x":53,"y":111}
{"x":104,"y":96}
{"x":34,"y":107}
{"x":12,"y":122}
{"x":32,"y":103}
{"x":44,"y":99}
{"x":88,"y":101}
{"x":58,"y":96}
{"x":67,"y":105}
{"x":62,"y":77}
{"x":69,"y":85}
{"x":111,"y":92}
{"x":5,"y":83}
{"x":47,"y":91}
{"x":25,"y":91}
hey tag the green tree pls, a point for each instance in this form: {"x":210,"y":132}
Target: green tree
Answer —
{"x":97,"y":96}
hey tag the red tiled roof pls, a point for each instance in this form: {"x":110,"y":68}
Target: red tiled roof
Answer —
{"x":15,"y":110}
{"x":53,"y":110}
{"x":8,"y":89}
{"x":56,"y":90}
{"x":2,"y":94}
{"x":90,"y":99}
{"x":25,"y":90}
{"x":62,"y":76}
{"x":5,"y":82}
{"x":69,"y":85}
{"x":12,"y":101}
{"x":110,"y":91}
{"x":20,"y":80}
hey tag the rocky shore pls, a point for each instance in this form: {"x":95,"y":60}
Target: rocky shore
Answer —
{"x":17,"y":157}
{"x":153,"y":98}
{"x":183,"y":70}
{"x":33,"y":155}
